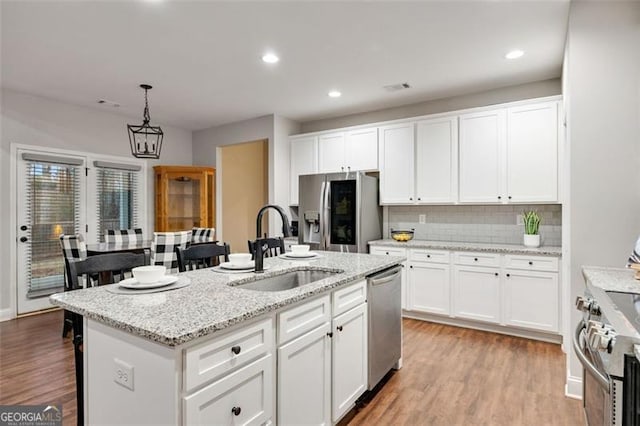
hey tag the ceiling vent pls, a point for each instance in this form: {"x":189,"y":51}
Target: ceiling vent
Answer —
{"x":396,"y":87}
{"x":107,"y":102}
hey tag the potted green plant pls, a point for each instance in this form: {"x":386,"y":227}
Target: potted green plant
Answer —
{"x":531,"y":227}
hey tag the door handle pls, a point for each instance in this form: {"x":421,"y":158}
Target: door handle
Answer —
{"x":23,"y":239}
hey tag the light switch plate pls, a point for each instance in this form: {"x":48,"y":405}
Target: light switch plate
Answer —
{"x":519,"y":219}
{"x":422,"y":218}
{"x":123,"y":373}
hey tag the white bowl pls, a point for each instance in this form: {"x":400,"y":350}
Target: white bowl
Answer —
{"x":299,"y":248}
{"x":149,"y":274}
{"x":239,"y":258}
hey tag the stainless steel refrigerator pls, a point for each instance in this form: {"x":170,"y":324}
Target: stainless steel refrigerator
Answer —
{"x":339,"y":211}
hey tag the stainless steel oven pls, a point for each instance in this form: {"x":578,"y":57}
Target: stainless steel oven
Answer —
{"x":607,"y":345}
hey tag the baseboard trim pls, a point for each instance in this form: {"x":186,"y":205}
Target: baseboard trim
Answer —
{"x":573,"y":387}
{"x":7,"y":314}
{"x":501,"y":329}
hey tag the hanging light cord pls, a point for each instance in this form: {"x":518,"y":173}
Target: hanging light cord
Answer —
{"x":147,"y":118}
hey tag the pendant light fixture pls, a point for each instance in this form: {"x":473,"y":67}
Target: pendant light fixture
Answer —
{"x":145,"y":140}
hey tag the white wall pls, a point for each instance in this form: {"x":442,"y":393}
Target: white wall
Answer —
{"x":536,"y":89}
{"x":602,"y":81}
{"x":34,"y":120}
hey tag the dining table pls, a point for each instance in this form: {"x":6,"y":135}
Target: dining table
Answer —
{"x":104,"y":248}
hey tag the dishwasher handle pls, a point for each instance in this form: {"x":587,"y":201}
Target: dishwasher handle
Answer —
{"x":385,"y":276}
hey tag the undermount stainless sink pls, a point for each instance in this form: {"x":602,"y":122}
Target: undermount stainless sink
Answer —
{"x":287,"y":281}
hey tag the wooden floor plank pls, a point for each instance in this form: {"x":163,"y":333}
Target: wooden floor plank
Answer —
{"x":451,"y":376}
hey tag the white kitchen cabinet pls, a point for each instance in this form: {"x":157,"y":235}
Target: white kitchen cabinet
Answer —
{"x":304,"y":379}
{"x":476,"y":293}
{"x":244,"y":397}
{"x":532,"y":153}
{"x":531,"y":299}
{"x":482,"y":137}
{"x":397,"y":180}
{"x":348,"y":151}
{"x":304,"y":160}
{"x":395,"y":251}
{"x":349,"y":358}
{"x":331,"y":152}
{"x":437,"y":160}
{"x":429,"y":287}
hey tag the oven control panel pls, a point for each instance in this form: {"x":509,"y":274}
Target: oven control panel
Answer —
{"x":600,"y":337}
{"x":587,"y":305}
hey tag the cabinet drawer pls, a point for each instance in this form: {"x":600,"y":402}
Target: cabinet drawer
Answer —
{"x":388,"y":251}
{"x":349,"y":297}
{"x":241,"y":398}
{"x":210,"y":360}
{"x":301,"y":319}
{"x":531,"y":263}
{"x":426,"y":255}
{"x":476,"y":259}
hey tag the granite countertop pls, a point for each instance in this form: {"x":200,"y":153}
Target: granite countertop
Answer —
{"x":611,"y":279}
{"x":462,"y":246}
{"x":210,"y":303}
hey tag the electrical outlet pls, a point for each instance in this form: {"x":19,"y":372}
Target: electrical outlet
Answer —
{"x":123,"y":373}
{"x":422,"y":218}
{"x":519,"y":219}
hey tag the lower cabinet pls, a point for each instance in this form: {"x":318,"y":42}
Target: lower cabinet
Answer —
{"x":477,"y":293}
{"x":244,"y":397}
{"x":304,"y":379}
{"x":429,"y":288}
{"x":349,"y":353}
{"x":531,"y":299}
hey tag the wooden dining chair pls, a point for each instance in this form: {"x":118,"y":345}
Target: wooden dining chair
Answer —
{"x":109,"y":268}
{"x":203,"y":255}
{"x":275,"y":247}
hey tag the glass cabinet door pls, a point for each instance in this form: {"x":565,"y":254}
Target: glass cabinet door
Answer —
{"x":184,"y":201}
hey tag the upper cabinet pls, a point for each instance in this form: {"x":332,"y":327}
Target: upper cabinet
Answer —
{"x":510,"y":155}
{"x":437,"y":160}
{"x":397,"y":181}
{"x":348,"y":151}
{"x":304,"y":160}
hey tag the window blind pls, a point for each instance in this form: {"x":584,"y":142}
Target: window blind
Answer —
{"x":118,"y":197}
{"x":52,"y":209}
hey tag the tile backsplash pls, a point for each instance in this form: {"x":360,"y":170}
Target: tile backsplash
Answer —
{"x":474,"y":224}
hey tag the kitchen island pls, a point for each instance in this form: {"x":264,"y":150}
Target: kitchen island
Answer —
{"x":207,"y":352}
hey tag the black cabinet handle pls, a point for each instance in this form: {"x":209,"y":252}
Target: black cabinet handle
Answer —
{"x":387,"y":253}
{"x":236,"y":349}
{"x":23,"y":228}
{"x":475,"y":259}
{"x":23,"y":239}
{"x":508,"y":275}
{"x":499,"y":197}
{"x":509,"y":196}
{"x":410,"y":266}
{"x":495,"y":273}
{"x":339,"y":328}
{"x":530,"y":263}
{"x":330,"y":334}
{"x":428,"y":255}
{"x":410,"y":198}
{"x":236,"y":411}
{"x":419,"y":198}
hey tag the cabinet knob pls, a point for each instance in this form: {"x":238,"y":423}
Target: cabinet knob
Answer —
{"x":236,"y":411}
{"x":530,"y":263}
{"x":342,"y":168}
{"x":508,"y":275}
{"x":330,"y":334}
{"x":475,"y":259}
{"x":509,"y":197}
{"x":23,"y":228}
{"x":410,"y":198}
{"x":349,"y":168}
{"x":428,"y":255}
{"x":23,"y":239}
{"x":419,"y":199}
{"x":387,"y":253}
{"x":339,"y":328}
{"x":499,"y":197}
{"x":410,"y":266}
{"x":496,"y":274}
{"x":236,"y":349}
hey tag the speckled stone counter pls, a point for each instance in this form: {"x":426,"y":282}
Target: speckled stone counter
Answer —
{"x":462,"y":246}
{"x":211,"y":302}
{"x":611,"y":279}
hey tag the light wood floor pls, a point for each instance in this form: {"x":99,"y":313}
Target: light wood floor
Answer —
{"x":451,"y":376}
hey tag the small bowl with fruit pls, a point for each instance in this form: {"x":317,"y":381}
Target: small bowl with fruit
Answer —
{"x":402,"y":235}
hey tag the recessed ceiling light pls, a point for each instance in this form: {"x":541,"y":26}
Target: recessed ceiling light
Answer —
{"x":270,"y":58}
{"x":334,"y":94}
{"x":514,"y":54}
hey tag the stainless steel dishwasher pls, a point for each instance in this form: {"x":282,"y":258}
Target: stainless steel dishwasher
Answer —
{"x":385,"y":322}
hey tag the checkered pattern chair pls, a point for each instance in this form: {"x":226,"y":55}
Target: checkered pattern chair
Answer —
{"x":73,"y":248}
{"x":163,"y":248}
{"x":123,"y":236}
{"x":203,"y":235}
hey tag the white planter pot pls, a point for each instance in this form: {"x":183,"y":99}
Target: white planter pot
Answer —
{"x":531,"y":240}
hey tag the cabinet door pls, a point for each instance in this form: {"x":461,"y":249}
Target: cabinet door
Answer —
{"x":481,"y":157}
{"x":361,"y":149}
{"x":241,"y":398}
{"x":429,"y":288}
{"x":397,"y":180}
{"x":532,"y":153}
{"x":304,"y":160}
{"x":531,"y":299}
{"x":437,"y":160}
{"x":304,"y":379}
{"x":477,"y":293}
{"x":331,"y":153}
{"x":350,"y":353}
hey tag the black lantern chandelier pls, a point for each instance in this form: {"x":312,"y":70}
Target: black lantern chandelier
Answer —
{"x":145,"y":140}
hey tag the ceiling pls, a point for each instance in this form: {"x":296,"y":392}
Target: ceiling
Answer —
{"x":204,"y":57}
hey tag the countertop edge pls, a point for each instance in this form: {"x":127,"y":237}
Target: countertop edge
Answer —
{"x":554,"y":251}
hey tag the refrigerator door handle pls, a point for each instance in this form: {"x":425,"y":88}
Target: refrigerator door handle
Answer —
{"x":326,"y":240}
{"x":321,"y":225}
